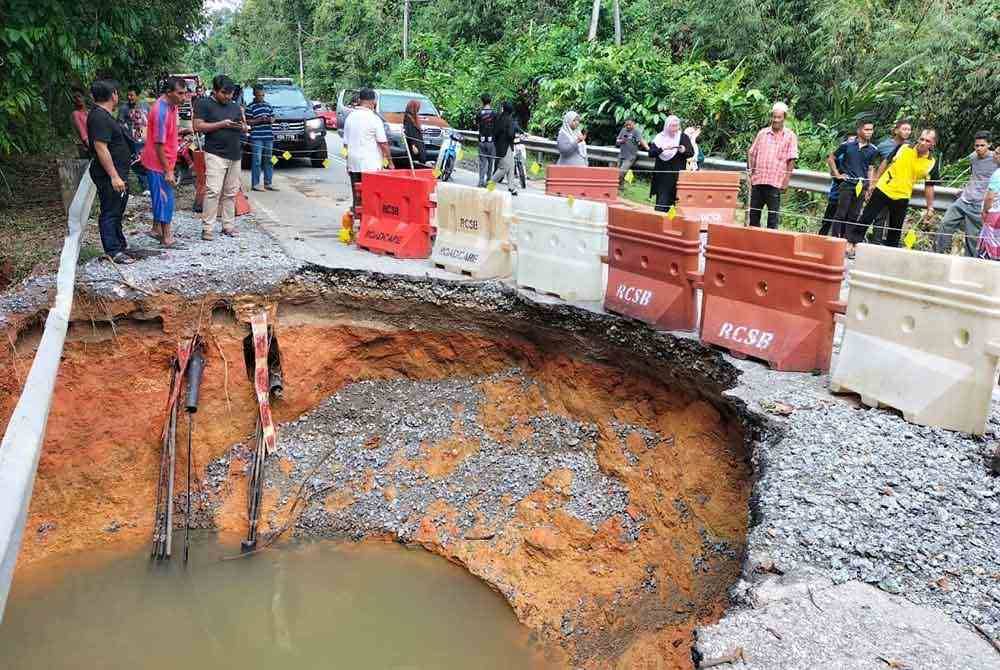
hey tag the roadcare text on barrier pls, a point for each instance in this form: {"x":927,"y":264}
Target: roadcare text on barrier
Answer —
{"x":379,"y":236}
{"x":459,"y":254}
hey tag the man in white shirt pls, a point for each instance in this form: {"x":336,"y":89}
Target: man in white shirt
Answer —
{"x":367,"y":145}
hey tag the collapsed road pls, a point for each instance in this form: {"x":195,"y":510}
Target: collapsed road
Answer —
{"x":638,"y":498}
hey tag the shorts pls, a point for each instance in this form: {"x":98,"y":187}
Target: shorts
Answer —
{"x":162,"y":195}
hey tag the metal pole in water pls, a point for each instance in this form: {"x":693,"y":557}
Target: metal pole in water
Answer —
{"x":195,"y":372}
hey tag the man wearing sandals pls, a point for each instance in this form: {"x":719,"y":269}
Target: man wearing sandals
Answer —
{"x":159,"y":157}
{"x":109,"y":169}
{"x":221,"y":120}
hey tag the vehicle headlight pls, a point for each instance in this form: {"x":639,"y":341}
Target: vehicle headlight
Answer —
{"x":395,"y":128}
{"x":315,"y":123}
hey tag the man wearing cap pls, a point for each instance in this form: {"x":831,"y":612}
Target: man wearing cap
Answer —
{"x":221,"y":121}
{"x":364,"y":136}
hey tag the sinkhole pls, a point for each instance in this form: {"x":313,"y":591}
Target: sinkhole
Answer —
{"x":583,"y":470}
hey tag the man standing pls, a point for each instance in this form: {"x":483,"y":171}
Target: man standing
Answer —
{"x":852,"y":164}
{"x":367,"y":144}
{"x":221,"y":121}
{"x":830,"y":213}
{"x":770,"y":161}
{"x":486,"y":122}
{"x":159,"y":158}
{"x":893,"y":190}
{"x":967,"y":211}
{"x":887,"y":148}
{"x":260,"y":115}
{"x":629,"y":142}
{"x":134,"y":115}
{"x":109,"y":169}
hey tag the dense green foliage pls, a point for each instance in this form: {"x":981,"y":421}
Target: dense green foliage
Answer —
{"x":48,"y":47}
{"x":716,"y":63}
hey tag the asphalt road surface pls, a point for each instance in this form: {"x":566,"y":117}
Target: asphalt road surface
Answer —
{"x":304,"y":217}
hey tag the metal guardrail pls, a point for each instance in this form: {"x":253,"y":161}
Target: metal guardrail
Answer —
{"x":805,"y":180}
{"x":22,"y":442}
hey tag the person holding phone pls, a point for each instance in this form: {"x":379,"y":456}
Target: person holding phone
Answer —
{"x":571,"y":142}
{"x":220,"y":119}
{"x":671,"y":150}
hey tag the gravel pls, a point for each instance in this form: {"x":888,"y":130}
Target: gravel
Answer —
{"x":368,"y":425}
{"x":250,"y":263}
{"x":860,"y":494}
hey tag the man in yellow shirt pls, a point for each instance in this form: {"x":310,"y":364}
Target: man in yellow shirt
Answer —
{"x":895,"y":186}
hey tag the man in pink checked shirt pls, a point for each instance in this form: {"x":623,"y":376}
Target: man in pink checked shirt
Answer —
{"x":770,"y":161}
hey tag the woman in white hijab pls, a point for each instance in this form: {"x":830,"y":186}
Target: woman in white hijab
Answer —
{"x":572,"y":144}
{"x":671,"y":149}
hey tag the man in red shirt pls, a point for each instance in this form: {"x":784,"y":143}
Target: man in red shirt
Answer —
{"x":770,"y":161}
{"x":159,"y":156}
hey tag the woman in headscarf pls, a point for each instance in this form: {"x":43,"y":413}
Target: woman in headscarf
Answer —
{"x":671,"y":149}
{"x":413,"y":132}
{"x":503,"y":139}
{"x":572,"y":144}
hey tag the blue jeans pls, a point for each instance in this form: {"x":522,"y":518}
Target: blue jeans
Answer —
{"x":261,"y":152}
{"x":109,"y":221}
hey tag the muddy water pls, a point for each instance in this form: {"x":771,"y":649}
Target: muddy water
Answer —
{"x":313,"y":605}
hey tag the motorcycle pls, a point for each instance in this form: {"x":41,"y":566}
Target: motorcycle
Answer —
{"x":184,"y":170}
{"x":448,"y":155}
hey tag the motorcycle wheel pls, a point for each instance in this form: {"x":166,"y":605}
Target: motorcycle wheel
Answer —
{"x":446,"y":170}
{"x":521,"y":177}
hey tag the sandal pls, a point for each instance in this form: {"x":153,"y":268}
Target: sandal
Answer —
{"x":150,"y":233}
{"x":121,"y":259}
{"x":231,"y":232}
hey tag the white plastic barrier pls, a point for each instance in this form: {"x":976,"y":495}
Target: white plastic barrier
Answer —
{"x":473,"y":231}
{"x":922,"y":335}
{"x":560,"y":242}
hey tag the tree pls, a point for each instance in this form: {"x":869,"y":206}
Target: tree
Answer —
{"x":49,"y":47}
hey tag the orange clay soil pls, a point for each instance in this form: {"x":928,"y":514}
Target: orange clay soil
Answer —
{"x":101,"y":456}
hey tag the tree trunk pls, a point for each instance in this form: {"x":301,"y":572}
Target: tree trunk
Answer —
{"x":70,"y":173}
{"x":595,"y":14}
{"x":618,"y":23}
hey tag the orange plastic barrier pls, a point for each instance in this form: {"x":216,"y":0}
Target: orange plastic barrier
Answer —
{"x":396,"y":212}
{"x":198,"y":158}
{"x":652,"y":268}
{"x":772,"y":295}
{"x":587,"y":183}
{"x":708,"y":196}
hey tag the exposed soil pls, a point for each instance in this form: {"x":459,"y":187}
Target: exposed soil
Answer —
{"x":610,"y":501}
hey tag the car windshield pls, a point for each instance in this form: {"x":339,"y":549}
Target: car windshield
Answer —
{"x":396,"y":104}
{"x":279,"y":97}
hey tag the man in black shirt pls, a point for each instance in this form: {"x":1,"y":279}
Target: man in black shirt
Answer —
{"x":220,"y":118}
{"x":486,"y":122}
{"x":109,"y":169}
